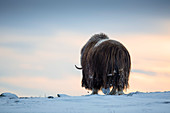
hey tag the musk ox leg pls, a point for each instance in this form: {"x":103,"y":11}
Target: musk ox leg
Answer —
{"x":94,"y":91}
{"x":120,"y":91}
{"x":113,"y":91}
{"x":106,"y":91}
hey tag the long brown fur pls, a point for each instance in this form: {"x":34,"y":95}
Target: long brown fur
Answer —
{"x":105,"y":65}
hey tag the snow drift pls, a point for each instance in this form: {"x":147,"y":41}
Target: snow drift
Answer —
{"x":136,"y":102}
{"x":8,"y":95}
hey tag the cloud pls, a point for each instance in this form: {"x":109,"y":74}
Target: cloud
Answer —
{"x":54,"y":57}
{"x":70,"y":85}
{"x":148,"y":52}
{"x":143,"y":82}
{"x":144,"y":72}
{"x":18,"y":45}
{"x":48,"y":47}
{"x":50,"y":64}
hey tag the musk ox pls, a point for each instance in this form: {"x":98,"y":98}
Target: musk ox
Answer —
{"x":105,"y":65}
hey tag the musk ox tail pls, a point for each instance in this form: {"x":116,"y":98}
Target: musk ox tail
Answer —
{"x":78,"y":67}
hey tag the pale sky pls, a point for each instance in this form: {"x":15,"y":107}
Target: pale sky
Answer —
{"x":40,"y":42}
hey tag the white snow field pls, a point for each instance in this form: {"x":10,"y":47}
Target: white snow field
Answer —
{"x":137,"y":102}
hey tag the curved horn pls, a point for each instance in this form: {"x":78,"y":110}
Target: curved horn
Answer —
{"x":78,"y":67}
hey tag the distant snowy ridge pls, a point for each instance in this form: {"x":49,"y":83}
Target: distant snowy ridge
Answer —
{"x":135,"y":102}
{"x":14,"y":96}
{"x":9,"y":95}
{"x":62,"y":95}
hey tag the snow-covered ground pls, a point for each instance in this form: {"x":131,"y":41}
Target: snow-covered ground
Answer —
{"x":137,"y":102}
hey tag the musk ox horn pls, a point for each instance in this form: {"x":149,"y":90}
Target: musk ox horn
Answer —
{"x":78,"y":67}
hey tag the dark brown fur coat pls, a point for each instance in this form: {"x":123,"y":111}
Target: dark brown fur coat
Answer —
{"x":105,"y":64}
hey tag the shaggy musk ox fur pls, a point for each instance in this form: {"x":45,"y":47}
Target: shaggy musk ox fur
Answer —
{"x":105,"y":63}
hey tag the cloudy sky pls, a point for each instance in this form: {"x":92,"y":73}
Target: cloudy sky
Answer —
{"x":40,"y":42}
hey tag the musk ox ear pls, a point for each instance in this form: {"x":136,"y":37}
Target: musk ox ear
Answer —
{"x":78,"y":67}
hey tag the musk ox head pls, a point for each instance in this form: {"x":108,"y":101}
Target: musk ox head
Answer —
{"x":105,"y":64}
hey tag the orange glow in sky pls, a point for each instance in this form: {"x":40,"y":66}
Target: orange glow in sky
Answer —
{"x":40,"y":43}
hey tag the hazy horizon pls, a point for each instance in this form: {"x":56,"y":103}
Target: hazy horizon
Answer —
{"x":40,"y":42}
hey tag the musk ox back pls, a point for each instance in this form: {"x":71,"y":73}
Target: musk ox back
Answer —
{"x":105,"y":64}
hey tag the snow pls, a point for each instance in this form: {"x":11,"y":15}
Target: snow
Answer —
{"x":106,"y":91}
{"x":8,"y":95}
{"x":136,"y":102}
{"x":62,"y":95}
{"x":100,"y":41}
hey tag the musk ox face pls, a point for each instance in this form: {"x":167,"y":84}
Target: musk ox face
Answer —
{"x":105,"y":64}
